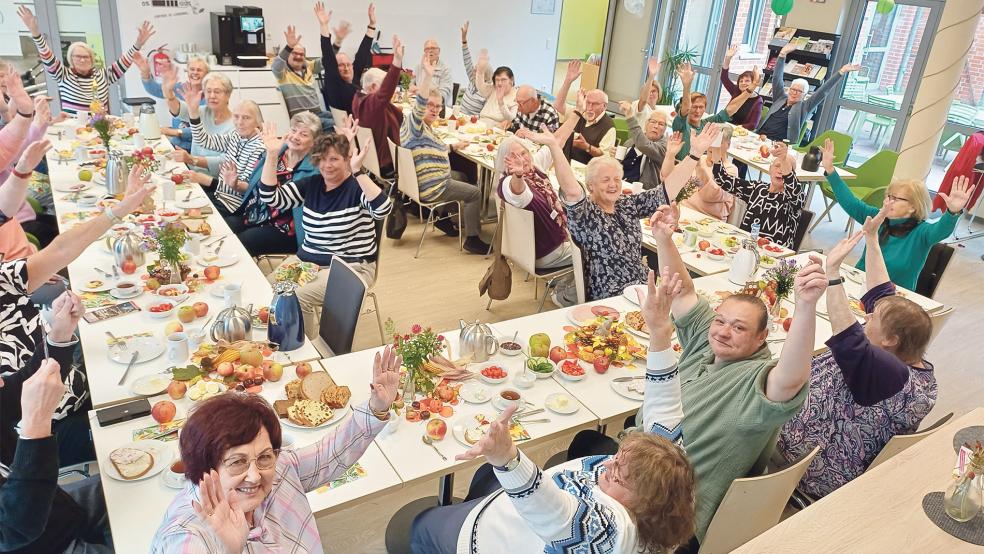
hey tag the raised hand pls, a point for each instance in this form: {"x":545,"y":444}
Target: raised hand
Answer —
{"x":873,"y":224}
{"x":385,"y":377}
{"x":229,"y":174}
{"x":811,"y":282}
{"x":959,"y":194}
{"x":226,"y":522}
{"x":464,"y":32}
{"x":700,"y":143}
{"x":582,"y":100}
{"x":19,"y":97}
{"x":428,"y":66}
{"x":652,"y":66}
{"x":32,"y":155}
{"x":839,"y":253}
{"x":323,"y":16}
{"x":271,"y":141}
{"x":674,"y":144}
{"x":42,"y":111}
{"x":372,"y":15}
{"x":573,"y":71}
{"x":628,"y":109}
{"x":544,"y":137}
{"x":827,"y":160}
{"x":664,"y":220}
{"x":66,"y":311}
{"x":342,"y":31}
{"x":787,"y":49}
{"x":141,"y":62}
{"x":40,"y":395}
{"x":686,"y":74}
{"x":169,"y":79}
{"x":144,"y":32}
{"x":497,"y":445}
{"x":193,"y":98}
{"x":655,"y":306}
{"x":732,"y":50}
{"x":515,"y":166}
{"x":849,"y":68}
{"x":30,"y":21}
{"x":292,"y":37}
{"x":397,"y":51}
{"x":138,"y":187}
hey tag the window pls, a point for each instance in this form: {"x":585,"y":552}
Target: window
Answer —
{"x":755,"y":24}
{"x":968,"y":99}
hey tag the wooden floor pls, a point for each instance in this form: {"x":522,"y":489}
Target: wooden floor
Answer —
{"x":441,"y":286}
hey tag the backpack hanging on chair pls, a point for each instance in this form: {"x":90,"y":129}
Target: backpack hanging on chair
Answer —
{"x":497,"y":281}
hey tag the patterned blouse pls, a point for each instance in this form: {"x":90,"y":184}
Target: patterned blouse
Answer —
{"x":860,"y":397}
{"x":613,"y":242}
{"x":20,"y":320}
{"x":777,"y":213}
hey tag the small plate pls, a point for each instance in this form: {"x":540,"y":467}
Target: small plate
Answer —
{"x":158,"y":449}
{"x":475,"y":393}
{"x":137,"y":291}
{"x":336,"y":416}
{"x":90,"y":285}
{"x":623,"y":389}
{"x":74,"y":187}
{"x":499,"y":403}
{"x":149,"y":348}
{"x":630,"y":293}
{"x":561,"y":403}
{"x":223,"y":260}
{"x":585,"y":314}
{"x":193,"y":203}
{"x":150,"y":385}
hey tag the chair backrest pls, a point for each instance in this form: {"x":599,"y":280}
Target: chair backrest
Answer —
{"x":517,"y":235}
{"x":579,"y":259}
{"x":962,"y":113}
{"x":338,"y":115}
{"x":392,"y":147}
{"x":898,"y":443}
{"x":855,"y":89}
{"x":407,"y":174}
{"x":371,"y":161}
{"x":938,"y":319}
{"x":936,"y":263}
{"x":882,"y":102}
{"x":806,"y":216}
{"x":344,"y":294}
{"x":842,"y":145}
{"x":621,"y":129}
{"x":876,"y":172}
{"x":752,"y":506}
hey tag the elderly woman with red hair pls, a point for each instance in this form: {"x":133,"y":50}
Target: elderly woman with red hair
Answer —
{"x":244,"y":492}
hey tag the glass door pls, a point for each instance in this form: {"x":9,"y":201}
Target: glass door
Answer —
{"x":632,"y":41}
{"x":697,"y":26}
{"x":753,"y":27}
{"x":874,"y":102}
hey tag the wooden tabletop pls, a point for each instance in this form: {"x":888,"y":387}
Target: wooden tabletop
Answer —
{"x":881,"y":511}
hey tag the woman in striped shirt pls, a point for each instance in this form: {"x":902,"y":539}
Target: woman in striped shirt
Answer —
{"x":81,"y":83}
{"x":341,"y":205}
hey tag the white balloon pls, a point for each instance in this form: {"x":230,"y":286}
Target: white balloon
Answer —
{"x":634,"y":7}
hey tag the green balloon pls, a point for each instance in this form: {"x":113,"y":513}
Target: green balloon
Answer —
{"x":885,"y":6}
{"x":782,"y":7}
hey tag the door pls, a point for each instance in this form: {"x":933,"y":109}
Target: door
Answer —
{"x":702,"y":27}
{"x":632,"y":42}
{"x":874,"y":102}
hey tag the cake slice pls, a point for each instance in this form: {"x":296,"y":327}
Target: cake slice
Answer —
{"x":336,"y":397}
{"x":131,"y":463}
{"x":281,"y":407}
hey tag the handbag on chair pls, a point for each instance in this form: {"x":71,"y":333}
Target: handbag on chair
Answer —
{"x":497,"y":281}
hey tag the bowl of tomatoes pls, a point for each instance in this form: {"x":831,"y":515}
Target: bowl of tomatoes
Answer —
{"x":716,"y":254}
{"x":161,"y":309}
{"x":571,"y":370}
{"x":493,"y":374}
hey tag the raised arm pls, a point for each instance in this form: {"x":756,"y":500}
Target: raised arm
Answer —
{"x":363,"y":56}
{"x":485,"y":88}
{"x":686,"y":74}
{"x":279,"y":67}
{"x":15,"y":132}
{"x":328,"y":58}
{"x":117,"y":69}
{"x":567,"y":129}
{"x":742,"y":188}
{"x":853,"y":205}
{"x":684,"y":170}
{"x":13,"y":192}
{"x":818,"y":96}
{"x":168,"y":81}
{"x":199,"y":135}
{"x":51,"y":64}
{"x":726,"y":81}
{"x":793,"y":369}
{"x":569,"y":186}
{"x":652,"y":68}
{"x":957,"y":199}
{"x":150,"y":86}
{"x":838,"y":308}
{"x":573,"y":73}
{"x":875,"y":270}
{"x":673,"y":146}
{"x":466,"y":57}
{"x":655,"y":149}
{"x":662,"y":404}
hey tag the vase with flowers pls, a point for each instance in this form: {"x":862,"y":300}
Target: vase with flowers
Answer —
{"x":782,"y":279}
{"x":99,"y":121}
{"x":415,"y":347}
{"x":168,"y":241}
{"x":963,"y":499}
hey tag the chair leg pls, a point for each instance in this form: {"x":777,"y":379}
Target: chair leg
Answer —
{"x":461,"y":227}
{"x":423,"y":233}
{"x":379,"y":318}
{"x":827,"y":204}
{"x":820,"y":219}
{"x":492,"y":243}
{"x":488,"y":307}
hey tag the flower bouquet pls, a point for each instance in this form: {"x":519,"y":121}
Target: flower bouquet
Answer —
{"x":99,"y":121}
{"x":167,"y":241}
{"x":416,"y":348}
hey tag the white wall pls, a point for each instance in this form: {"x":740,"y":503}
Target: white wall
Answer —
{"x":825,"y":17}
{"x":527,"y":43}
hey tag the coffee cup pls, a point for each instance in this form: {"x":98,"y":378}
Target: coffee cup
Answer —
{"x":126,"y":289}
{"x":177,"y":347}
{"x":690,"y":236}
{"x":168,"y":191}
{"x":620,"y":152}
{"x":232,"y":293}
{"x":83,"y":117}
{"x":174,"y":475}
{"x":138,"y":141}
{"x":508,"y":398}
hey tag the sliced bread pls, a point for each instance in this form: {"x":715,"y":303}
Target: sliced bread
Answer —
{"x":313,"y":384}
{"x":336,"y":397}
{"x":131,"y":463}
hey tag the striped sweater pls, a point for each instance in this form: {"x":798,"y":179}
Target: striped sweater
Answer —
{"x":562,"y":509}
{"x":472,"y":101}
{"x":337,"y":222}
{"x":430,"y":154}
{"x":78,"y":91}
{"x":299,"y":89}
{"x":244,"y":152}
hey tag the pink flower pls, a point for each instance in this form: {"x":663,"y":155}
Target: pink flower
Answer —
{"x":406,"y":337}
{"x":416,"y":329}
{"x":440,"y":338}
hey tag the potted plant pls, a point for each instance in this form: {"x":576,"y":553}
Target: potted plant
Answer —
{"x":670,"y":64}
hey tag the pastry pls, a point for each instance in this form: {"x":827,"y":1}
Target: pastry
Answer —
{"x":293,"y":389}
{"x":282,"y":406}
{"x":336,"y":397}
{"x":635,"y":321}
{"x":308,"y":413}
{"x":131,"y":463}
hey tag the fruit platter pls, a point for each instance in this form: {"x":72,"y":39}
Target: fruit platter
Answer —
{"x":602,"y":343}
{"x":216,"y":368}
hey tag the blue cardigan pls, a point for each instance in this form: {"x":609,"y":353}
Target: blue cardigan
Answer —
{"x":303,"y":169}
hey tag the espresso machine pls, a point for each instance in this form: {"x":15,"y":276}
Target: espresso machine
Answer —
{"x":239,"y":36}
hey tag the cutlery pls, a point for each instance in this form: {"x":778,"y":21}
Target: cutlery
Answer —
{"x":188,"y":198}
{"x":212,"y":240}
{"x":116,"y":341}
{"x":627,"y":379}
{"x":116,"y":272}
{"x":430,"y":442}
{"x":133,"y":358}
{"x":219,"y":247}
{"x":528,"y":413}
{"x":106,"y":274}
{"x":161,"y":434}
{"x":526,"y":421}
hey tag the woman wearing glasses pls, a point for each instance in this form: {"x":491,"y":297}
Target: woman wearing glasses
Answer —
{"x":906,"y":237}
{"x":81,"y":82}
{"x":245,"y":493}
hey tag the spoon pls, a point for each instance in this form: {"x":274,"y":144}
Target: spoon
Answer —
{"x":430,"y":442}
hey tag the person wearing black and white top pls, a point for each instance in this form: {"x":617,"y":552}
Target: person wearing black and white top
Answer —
{"x":340,"y":211}
{"x":775,"y":205}
{"x":242,"y":150}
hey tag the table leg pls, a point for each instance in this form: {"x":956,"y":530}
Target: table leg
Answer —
{"x":445,"y":490}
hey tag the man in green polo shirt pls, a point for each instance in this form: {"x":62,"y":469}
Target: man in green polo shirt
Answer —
{"x":735,"y":396}
{"x":690,"y":115}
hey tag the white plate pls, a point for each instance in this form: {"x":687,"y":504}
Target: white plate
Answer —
{"x":623,"y":389}
{"x":499,"y":403}
{"x":150,"y":385}
{"x":148,"y":347}
{"x":106,"y":285}
{"x":216,"y":291}
{"x":72,"y":187}
{"x":636,"y":332}
{"x":160,"y":450}
{"x":194,"y":202}
{"x":630,"y":293}
{"x":467,"y":421}
{"x":336,"y":416}
{"x":137,"y":292}
{"x":551,"y":403}
{"x":224,"y":260}
{"x":475,"y":393}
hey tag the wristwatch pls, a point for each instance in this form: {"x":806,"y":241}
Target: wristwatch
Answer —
{"x":510,"y":465}
{"x":362,"y":171}
{"x":835,"y":282}
{"x":694,"y":158}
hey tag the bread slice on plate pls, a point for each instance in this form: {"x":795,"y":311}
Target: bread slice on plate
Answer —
{"x":336,"y":397}
{"x":314,"y":383}
{"x":131,"y":463}
{"x":309,"y":413}
{"x":282,"y":407}
{"x":293,"y":389}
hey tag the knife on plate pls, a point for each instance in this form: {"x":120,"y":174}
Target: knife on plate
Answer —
{"x":627,"y":379}
{"x":133,"y":358}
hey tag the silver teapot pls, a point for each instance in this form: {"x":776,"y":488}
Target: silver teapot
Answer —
{"x":476,"y":341}
{"x":128,"y":247}
{"x":116,"y":173}
{"x":232,"y":324}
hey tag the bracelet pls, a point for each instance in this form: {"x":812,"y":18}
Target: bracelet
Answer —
{"x":694,"y":158}
{"x":19,"y":175}
{"x":835,"y":282}
{"x":382,"y":416}
{"x":27,"y":115}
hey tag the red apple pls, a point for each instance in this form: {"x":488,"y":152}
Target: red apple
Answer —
{"x":177,"y":390}
{"x":490,"y":147}
{"x":601,"y":363}
{"x":211,"y":272}
{"x":703,"y":245}
{"x":163,"y":411}
{"x":558,"y":354}
{"x":177,"y":178}
{"x":146,"y":151}
{"x":225,"y":369}
{"x":303,"y":369}
{"x":201,"y":309}
{"x":243,"y":372}
{"x":264,"y":314}
{"x":786,"y":323}
{"x":474,"y":119}
{"x":273,"y":371}
{"x":437,"y":429}
{"x":764,"y":150}
{"x":129,"y":267}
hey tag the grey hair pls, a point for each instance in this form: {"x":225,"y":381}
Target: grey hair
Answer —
{"x":372,"y":76}
{"x":201,"y":60}
{"x":601,"y":92}
{"x":223,"y":80}
{"x":596,"y":164}
{"x":255,"y":107}
{"x":505,"y":147}
{"x":75,"y":46}
{"x":309,"y":120}
{"x":802,"y":83}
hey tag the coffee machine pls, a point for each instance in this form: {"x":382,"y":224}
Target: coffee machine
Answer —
{"x":239,"y":36}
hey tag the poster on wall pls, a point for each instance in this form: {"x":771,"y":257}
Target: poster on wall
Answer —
{"x":186,"y":7}
{"x":543,"y":7}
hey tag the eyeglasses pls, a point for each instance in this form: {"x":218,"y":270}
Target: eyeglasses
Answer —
{"x":894,"y":198}
{"x":432,"y":106}
{"x":237,"y":465}
{"x":81,"y":57}
{"x":340,"y":64}
{"x":796,"y":90}
{"x":432,"y":49}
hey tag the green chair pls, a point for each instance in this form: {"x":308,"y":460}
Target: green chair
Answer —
{"x":35,"y":205}
{"x":872,"y":175}
{"x":765,"y":112}
{"x":842,"y":145}
{"x":621,"y":130}
{"x":33,"y":240}
{"x":953,"y":141}
{"x":880,"y":124}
